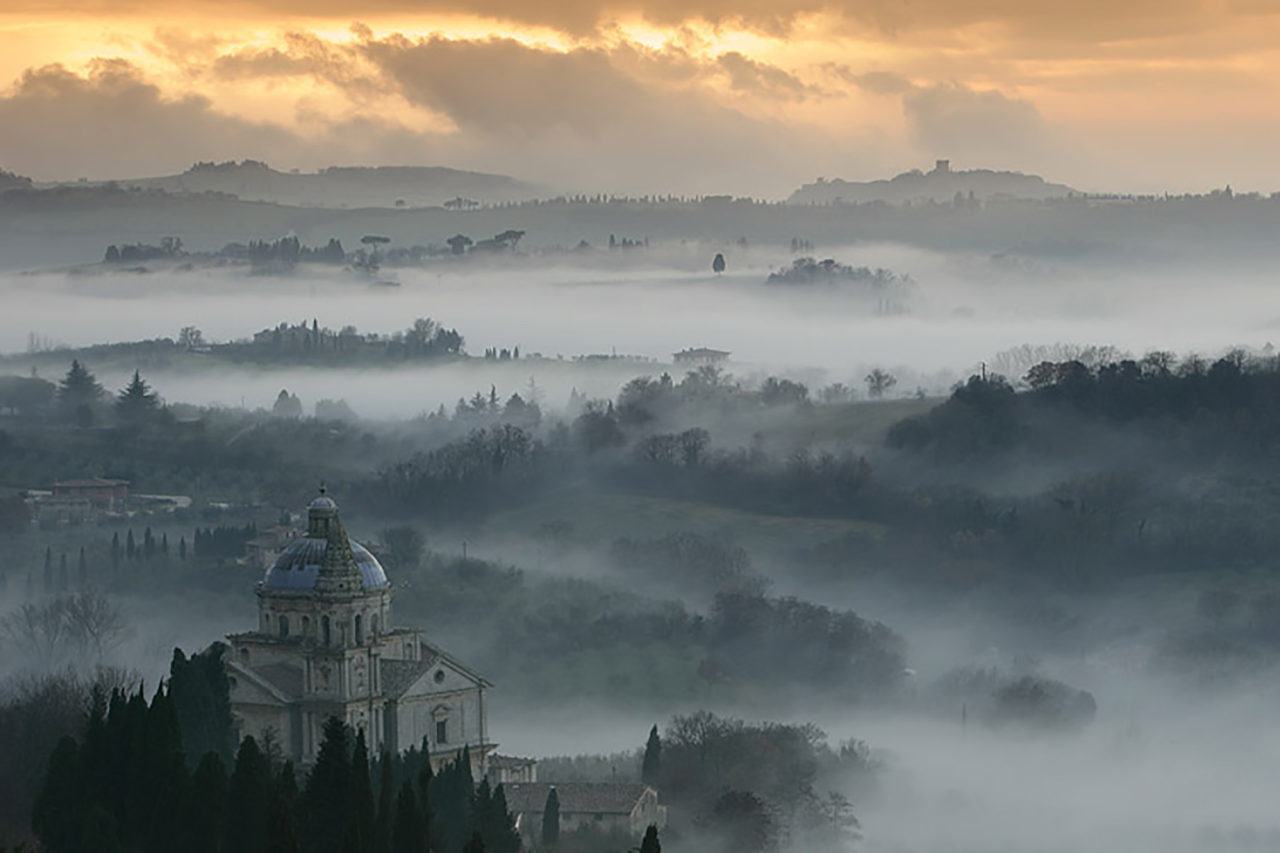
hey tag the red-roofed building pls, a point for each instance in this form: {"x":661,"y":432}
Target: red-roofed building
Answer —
{"x":100,"y":493}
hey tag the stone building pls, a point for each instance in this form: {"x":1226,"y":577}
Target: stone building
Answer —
{"x":609,"y":806}
{"x":326,"y":645}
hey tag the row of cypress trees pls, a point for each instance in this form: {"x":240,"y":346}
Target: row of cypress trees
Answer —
{"x":126,"y":786}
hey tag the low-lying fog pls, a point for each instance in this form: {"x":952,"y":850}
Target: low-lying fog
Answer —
{"x":1163,"y":769}
{"x":964,"y":310}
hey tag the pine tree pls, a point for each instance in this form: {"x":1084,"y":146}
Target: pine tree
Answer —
{"x":78,"y":393}
{"x":137,"y":403}
{"x":651,"y":766}
{"x":650,"y":844}
{"x":551,"y":819}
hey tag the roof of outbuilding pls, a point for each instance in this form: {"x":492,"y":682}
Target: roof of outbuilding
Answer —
{"x":587,"y":797}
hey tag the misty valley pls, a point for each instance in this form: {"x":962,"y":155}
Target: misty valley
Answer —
{"x":404,"y":510}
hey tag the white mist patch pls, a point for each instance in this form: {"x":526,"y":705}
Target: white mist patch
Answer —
{"x":1196,"y":778}
{"x":966,"y":309}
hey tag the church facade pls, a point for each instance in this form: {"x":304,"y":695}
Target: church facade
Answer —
{"x":326,"y":646}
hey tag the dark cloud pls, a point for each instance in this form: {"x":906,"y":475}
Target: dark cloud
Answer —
{"x":577,"y":119}
{"x":300,"y":55}
{"x":951,"y":120}
{"x":112,"y":122}
{"x":875,"y":82}
{"x":625,"y":119}
{"x":758,"y":78}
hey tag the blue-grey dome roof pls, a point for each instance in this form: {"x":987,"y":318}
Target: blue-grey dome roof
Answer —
{"x":299,"y":564}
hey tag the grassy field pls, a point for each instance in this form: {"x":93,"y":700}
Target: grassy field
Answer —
{"x":597,"y":517}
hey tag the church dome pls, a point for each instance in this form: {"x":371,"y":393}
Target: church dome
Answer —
{"x":324,"y":503}
{"x":298,"y":565}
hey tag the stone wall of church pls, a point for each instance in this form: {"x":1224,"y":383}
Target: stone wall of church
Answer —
{"x":459,"y":716}
{"x":359,"y":621}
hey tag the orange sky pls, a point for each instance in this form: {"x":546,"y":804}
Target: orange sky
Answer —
{"x":700,"y":95}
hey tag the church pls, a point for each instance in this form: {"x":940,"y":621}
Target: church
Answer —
{"x":326,"y":646}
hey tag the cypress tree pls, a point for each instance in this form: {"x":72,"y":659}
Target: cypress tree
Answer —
{"x":115,"y":550}
{"x":164,"y":773}
{"x":502,"y":836}
{"x":282,"y":825}
{"x":64,"y":577}
{"x":58,"y":814}
{"x":651,"y":767}
{"x":201,"y":695}
{"x":426,"y":784}
{"x":248,"y":796}
{"x":407,"y":829}
{"x":327,"y":801}
{"x":83,"y":569}
{"x":207,"y":806}
{"x":475,"y":845}
{"x":551,"y":819}
{"x":362,"y":783}
{"x":48,"y":570}
{"x":650,"y":844}
{"x":386,"y":803}
{"x":182,"y":548}
{"x":130,"y":547}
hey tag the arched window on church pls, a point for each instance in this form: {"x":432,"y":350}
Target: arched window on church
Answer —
{"x":373,"y":625}
{"x":284,"y":626}
{"x":324,"y":629}
{"x":359,"y":631}
{"x":306,"y":626}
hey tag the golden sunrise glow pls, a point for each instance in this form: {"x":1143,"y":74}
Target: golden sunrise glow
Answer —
{"x":883,"y":92}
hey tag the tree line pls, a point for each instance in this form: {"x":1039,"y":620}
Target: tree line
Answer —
{"x":128,"y":780}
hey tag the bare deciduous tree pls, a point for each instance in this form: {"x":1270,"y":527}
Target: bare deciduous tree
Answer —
{"x":50,"y":632}
{"x":879,"y":381}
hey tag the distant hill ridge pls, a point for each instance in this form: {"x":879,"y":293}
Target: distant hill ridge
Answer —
{"x":939,"y":185}
{"x":11,"y":181}
{"x":342,"y":186}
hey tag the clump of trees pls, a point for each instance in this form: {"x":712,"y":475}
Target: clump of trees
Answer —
{"x":689,"y":560}
{"x":124,"y":781}
{"x":35,"y":712}
{"x":751,"y":787}
{"x":170,"y":247}
{"x":989,"y":697}
{"x":888,"y":288}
